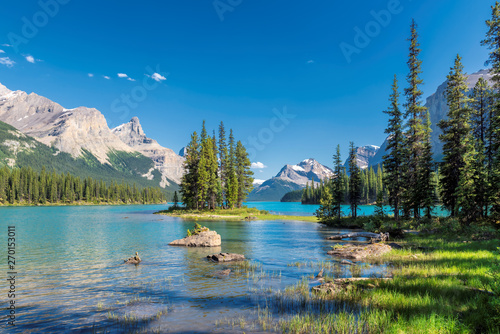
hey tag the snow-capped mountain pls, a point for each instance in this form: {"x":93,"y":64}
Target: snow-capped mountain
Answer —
{"x":289,"y":178}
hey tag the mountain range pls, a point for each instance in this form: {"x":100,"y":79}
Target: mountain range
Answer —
{"x":370,"y":155}
{"x":290,"y":178}
{"x":83,"y":135}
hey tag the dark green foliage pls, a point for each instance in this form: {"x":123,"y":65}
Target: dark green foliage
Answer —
{"x":176,"y":199}
{"x":333,"y":194}
{"x":492,"y":41}
{"x":27,"y":186}
{"x":215,"y":178}
{"x":293,"y":196}
{"x":123,"y":167}
{"x":416,"y":174}
{"x":354,"y":181}
{"x":393,"y":161}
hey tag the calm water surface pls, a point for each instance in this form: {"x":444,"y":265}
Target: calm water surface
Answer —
{"x":70,"y":276}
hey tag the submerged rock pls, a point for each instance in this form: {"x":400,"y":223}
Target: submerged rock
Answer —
{"x":203,"y":239}
{"x":358,"y":252}
{"x":226,"y":257}
{"x":222,"y":273}
{"x":340,"y":284}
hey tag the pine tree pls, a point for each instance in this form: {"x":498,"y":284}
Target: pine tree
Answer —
{"x":337,"y":184}
{"x":232,"y":180}
{"x":243,"y":173}
{"x":354,"y":181}
{"x":481,"y":108}
{"x":492,"y":41}
{"x":189,"y":188}
{"x":455,"y":131}
{"x":426,"y":171}
{"x":222,"y":162}
{"x":415,"y":134}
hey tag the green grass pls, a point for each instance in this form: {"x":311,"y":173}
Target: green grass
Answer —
{"x":238,"y":214}
{"x":433,"y":291}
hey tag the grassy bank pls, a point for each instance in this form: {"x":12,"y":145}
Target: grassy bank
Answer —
{"x":231,"y":215}
{"x":438,"y":286}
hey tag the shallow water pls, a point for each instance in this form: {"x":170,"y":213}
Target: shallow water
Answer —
{"x":70,"y":276}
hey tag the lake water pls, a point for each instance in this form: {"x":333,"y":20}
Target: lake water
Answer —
{"x":70,"y":277}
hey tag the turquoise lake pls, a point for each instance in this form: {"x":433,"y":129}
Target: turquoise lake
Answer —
{"x":71,"y":277}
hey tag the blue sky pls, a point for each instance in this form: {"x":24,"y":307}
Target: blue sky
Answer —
{"x":240,"y":61}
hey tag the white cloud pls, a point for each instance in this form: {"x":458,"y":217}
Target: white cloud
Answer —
{"x":310,"y":61}
{"x":91,"y":75}
{"x":7,"y":61}
{"x":122,"y":75}
{"x":130,"y":79}
{"x":157,"y":77}
{"x":258,"y":181}
{"x":2,"y":51}
{"x":30,"y":58}
{"x":7,"y":45}
{"x":106,"y":77}
{"x":258,"y":165}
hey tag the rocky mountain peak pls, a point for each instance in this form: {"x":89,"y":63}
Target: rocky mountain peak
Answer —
{"x":4,"y":90}
{"x":364,"y":156}
{"x":305,"y":171}
{"x":166,"y":161}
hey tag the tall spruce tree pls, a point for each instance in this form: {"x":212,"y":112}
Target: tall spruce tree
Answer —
{"x":232,"y":179}
{"x":492,"y":41}
{"x":337,"y":184}
{"x":189,"y":181}
{"x":354,"y":181}
{"x":456,"y":130}
{"x":223,"y":156}
{"x":394,"y":159}
{"x":481,"y":108}
{"x":427,"y":171}
{"x":243,"y":173}
{"x":415,"y":134}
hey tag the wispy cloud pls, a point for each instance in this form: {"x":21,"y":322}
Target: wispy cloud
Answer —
{"x":130,"y":79}
{"x":7,"y":45}
{"x":258,"y":165}
{"x":310,"y":61}
{"x":91,"y":75}
{"x":106,"y":77}
{"x":157,"y":77}
{"x":2,"y":51}
{"x":7,"y":61}
{"x":122,"y":75}
{"x":30,"y":58}
{"x":258,"y":181}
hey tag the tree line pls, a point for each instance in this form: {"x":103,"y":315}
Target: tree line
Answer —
{"x":27,"y":186}
{"x":216,"y":172}
{"x":371,"y":184}
{"x":466,"y":182}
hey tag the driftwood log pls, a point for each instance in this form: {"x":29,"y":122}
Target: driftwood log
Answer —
{"x":369,"y":235}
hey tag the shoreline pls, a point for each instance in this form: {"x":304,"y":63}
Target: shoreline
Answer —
{"x":208,"y":216}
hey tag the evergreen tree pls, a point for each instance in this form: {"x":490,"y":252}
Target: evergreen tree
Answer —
{"x":189,"y":182}
{"x":232,"y":179}
{"x":415,"y":134}
{"x":481,"y":108}
{"x":426,"y":172}
{"x":492,"y":41}
{"x":222,"y":162}
{"x":354,"y":181}
{"x":243,"y":172}
{"x":337,"y":184}
{"x":455,"y":131}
